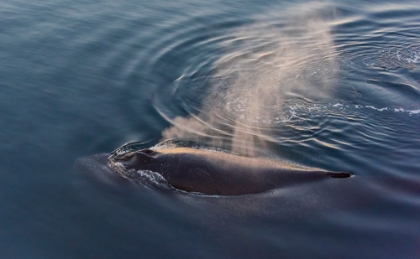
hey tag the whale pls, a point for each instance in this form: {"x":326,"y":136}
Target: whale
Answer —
{"x":213,"y":172}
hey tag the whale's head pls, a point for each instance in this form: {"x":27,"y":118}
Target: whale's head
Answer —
{"x":97,"y":168}
{"x":140,"y":160}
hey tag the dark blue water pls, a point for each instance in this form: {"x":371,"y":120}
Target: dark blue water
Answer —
{"x":328,"y":85}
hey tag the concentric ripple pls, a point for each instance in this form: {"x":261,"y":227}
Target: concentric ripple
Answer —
{"x":245,"y":83}
{"x":230,"y":95}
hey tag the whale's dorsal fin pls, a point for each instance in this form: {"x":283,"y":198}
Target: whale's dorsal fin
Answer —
{"x":338,"y":174}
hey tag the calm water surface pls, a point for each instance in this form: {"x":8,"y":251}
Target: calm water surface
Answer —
{"x":320,"y":84}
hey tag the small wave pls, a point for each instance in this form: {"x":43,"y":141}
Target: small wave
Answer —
{"x":339,"y":106}
{"x":391,"y":59}
{"x":151,"y":178}
{"x":146,"y":177}
{"x":388,"y":109}
{"x":297,"y":112}
{"x":411,"y":56}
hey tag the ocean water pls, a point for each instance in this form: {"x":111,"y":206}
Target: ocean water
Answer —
{"x":331,"y":85}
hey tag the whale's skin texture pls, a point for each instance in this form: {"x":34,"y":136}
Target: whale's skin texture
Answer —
{"x":213,"y":172}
